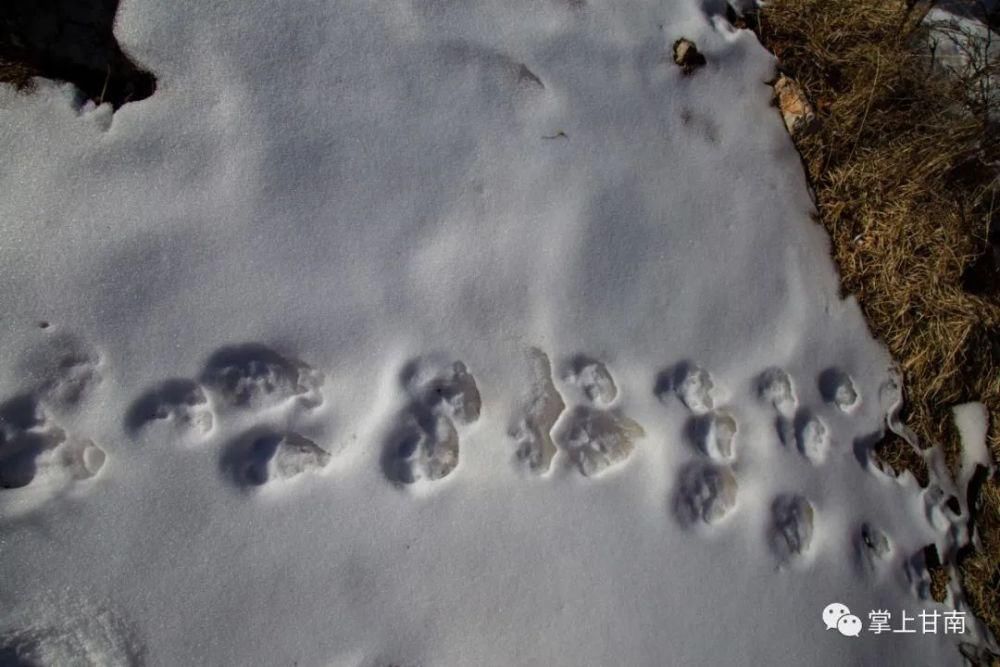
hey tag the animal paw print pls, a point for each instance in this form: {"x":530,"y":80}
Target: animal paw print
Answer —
{"x":812,"y":437}
{"x":239,"y":377}
{"x":705,"y":493}
{"x":774,"y":386}
{"x":873,"y":546}
{"x":35,"y":452}
{"x":269,"y":458}
{"x":838,"y":388}
{"x":691,"y":384}
{"x":596,"y":437}
{"x":181,"y":404}
{"x":257,"y":377}
{"x":426,"y":445}
{"x":791,"y":529}
{"x":593,"y":379}
{"x":596,"y":440}
{"x":797,"y":426}
{"x":532,"y":431}
{"x":427,"y":448}
{"x":714,"y":434}
{"x":454,"y":393}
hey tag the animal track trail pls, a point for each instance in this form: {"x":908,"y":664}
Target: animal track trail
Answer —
{"x":837,"y":387}
{"x":533,"y":430}
{"x":179,"y":403}
{"x":269,"y":458}
{"x":791,"y":529}
{"x":426,"y":444}
{"x":257,"y":377}
{"x":705,"y":493}
{"x":799,"y":426}
{"x":36,"y":452}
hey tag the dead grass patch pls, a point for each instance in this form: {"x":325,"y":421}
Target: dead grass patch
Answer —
{"x":904,"y":165}
{"x":16,"y":74}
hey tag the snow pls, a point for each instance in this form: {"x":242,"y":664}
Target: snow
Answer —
{"x":438,"y":333}
{"x":964,"y":46}
{"x":972,"y":420}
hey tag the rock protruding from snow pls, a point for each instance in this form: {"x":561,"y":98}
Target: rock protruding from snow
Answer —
{"x":687,"y":56}
{"x":796,"y":111}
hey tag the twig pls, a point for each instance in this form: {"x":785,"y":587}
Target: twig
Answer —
{"x":104,"y":89}
{"x":871,"y":96}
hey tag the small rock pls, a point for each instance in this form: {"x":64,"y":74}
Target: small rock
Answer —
{"x":687,"y":56}
{"x":798,"y":114}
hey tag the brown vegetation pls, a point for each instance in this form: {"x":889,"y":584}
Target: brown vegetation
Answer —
{"x":904,"y":164}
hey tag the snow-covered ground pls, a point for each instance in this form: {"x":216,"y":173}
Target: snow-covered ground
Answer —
{"x":428,"y":332}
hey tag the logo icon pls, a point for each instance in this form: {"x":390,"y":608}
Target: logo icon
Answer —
{"x":836,"y":616}
{"x":849,"y":625}
{"x":833,"y":613}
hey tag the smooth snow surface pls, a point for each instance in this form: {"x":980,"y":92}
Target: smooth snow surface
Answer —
{"x":429,"y":332}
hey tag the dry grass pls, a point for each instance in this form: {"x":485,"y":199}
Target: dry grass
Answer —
{"x":981,"y":569}
{"x":16,"y":74}
{"x":904,"y":166}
